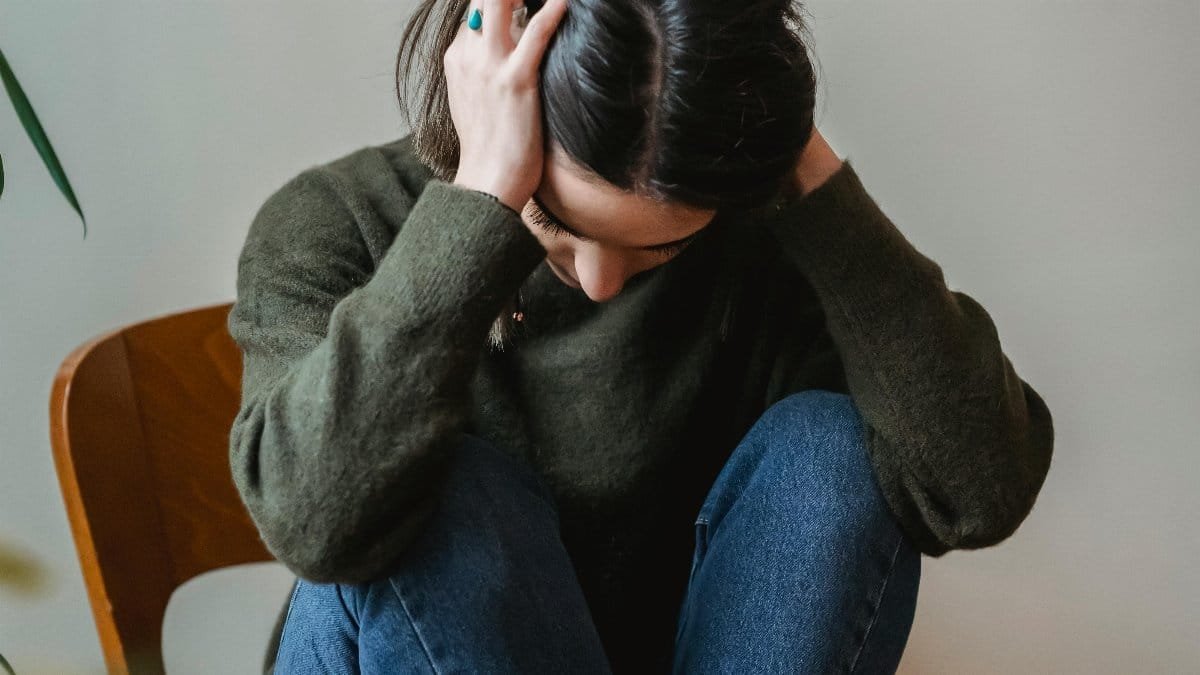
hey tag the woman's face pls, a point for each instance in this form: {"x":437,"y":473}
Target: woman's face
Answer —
{"x":610,"y":234}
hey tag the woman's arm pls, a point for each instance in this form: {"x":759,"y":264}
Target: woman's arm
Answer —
{"x":355,"y":378}
{"x":960,"y":444}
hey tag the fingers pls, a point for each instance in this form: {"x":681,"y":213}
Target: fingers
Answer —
{"x":530,"y":43}
{"x":538,"y":32}
{"x":497,"y":22}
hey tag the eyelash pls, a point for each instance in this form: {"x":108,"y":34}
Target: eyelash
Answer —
{"x":545,"y":222}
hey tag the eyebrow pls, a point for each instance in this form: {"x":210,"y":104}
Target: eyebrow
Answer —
{"x":570,"y":230}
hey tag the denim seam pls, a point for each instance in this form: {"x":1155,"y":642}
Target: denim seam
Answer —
{"x":286,"y":619}
{"x":412,"y":622}
{"x":879,"y":601}
{"x":698,"y":555}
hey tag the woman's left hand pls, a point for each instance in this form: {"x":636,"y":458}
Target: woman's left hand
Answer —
{"x":817,"y":163}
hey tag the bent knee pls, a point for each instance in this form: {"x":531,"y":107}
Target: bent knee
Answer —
{"x":830,"y":416}
{"x":817,"y":462}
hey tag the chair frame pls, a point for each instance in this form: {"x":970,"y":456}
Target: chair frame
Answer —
{"x":139,"y":428}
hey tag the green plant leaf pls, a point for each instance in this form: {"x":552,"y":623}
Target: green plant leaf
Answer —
{"x":38,"y":135}
{"x":4,"y":662}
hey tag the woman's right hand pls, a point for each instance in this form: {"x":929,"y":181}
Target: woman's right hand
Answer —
{"x":492,"y":89}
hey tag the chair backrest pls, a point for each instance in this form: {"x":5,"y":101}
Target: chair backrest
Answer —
{"x":139,"y":427}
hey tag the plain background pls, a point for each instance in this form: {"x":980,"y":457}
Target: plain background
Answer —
{"x":1043,"y":153}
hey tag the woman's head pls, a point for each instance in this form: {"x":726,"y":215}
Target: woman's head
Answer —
{"x":707,"y":102}
{"x":657,"y":114}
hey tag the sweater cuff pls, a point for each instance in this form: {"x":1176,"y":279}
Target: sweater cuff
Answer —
{"x":460,"y":253}
{"x":495,"y":199}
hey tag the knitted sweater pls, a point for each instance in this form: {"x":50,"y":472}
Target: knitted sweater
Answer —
{"x":365,"y":292}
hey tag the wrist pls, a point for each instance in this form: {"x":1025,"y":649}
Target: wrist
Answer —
{"x":494,"y":198}
{"x":817,"y":163}
{"x":505,"y":197}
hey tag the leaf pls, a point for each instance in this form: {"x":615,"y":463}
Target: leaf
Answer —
{"x":21,"y":572}
{"x":38,"y":135}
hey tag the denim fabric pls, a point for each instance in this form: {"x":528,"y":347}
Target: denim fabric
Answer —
{"x":798,"y":567}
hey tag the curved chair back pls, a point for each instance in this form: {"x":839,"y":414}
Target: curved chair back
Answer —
{"x":139,"y":428}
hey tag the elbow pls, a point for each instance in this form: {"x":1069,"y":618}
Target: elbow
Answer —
{"x":338,"y":540}
{"x":334,"y":554}
{"x":988,"y":518}
{"x":937,"y":523}
{"x":986,"y":507}
{"x":305,"y":546}
{"x":326,"y":544}
{"x":311,"y":526}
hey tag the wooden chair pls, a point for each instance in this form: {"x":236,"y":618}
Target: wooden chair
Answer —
{"x":139,"y":427}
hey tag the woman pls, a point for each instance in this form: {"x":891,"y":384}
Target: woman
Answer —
{"x":612,"y":366}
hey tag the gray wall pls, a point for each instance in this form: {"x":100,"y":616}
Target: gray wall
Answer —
{"x":1039,"y":151}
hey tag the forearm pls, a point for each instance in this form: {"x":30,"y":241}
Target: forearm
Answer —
{"x":349,"y":412}
{"x":960,"y":443}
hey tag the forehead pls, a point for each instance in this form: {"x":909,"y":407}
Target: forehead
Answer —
{"x":603,"y":212}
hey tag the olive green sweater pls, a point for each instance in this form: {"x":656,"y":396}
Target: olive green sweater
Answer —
{"x":365,"y":292}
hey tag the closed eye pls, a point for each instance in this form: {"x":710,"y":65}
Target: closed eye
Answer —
{"x":555,"y":228}
{"x":543,"y":221}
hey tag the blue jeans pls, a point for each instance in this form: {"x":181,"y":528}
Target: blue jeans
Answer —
{"x":798,"y":567}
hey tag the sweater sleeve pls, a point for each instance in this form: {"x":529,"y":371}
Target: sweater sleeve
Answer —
{"x":960,"y":444}
{"x":356,"y":377}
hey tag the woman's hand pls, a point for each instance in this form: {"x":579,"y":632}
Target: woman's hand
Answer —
{"x":817,"y":163}
{"x":492,"y":89}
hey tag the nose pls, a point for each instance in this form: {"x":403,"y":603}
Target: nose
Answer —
{"x":601,"y":273}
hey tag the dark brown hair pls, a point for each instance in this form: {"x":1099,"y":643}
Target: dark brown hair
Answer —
{"x":702,"y":102}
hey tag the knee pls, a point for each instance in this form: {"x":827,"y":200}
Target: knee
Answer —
{"x":815,"y":433}
{"x":811,"y":460}
{"x":814,"y":417}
